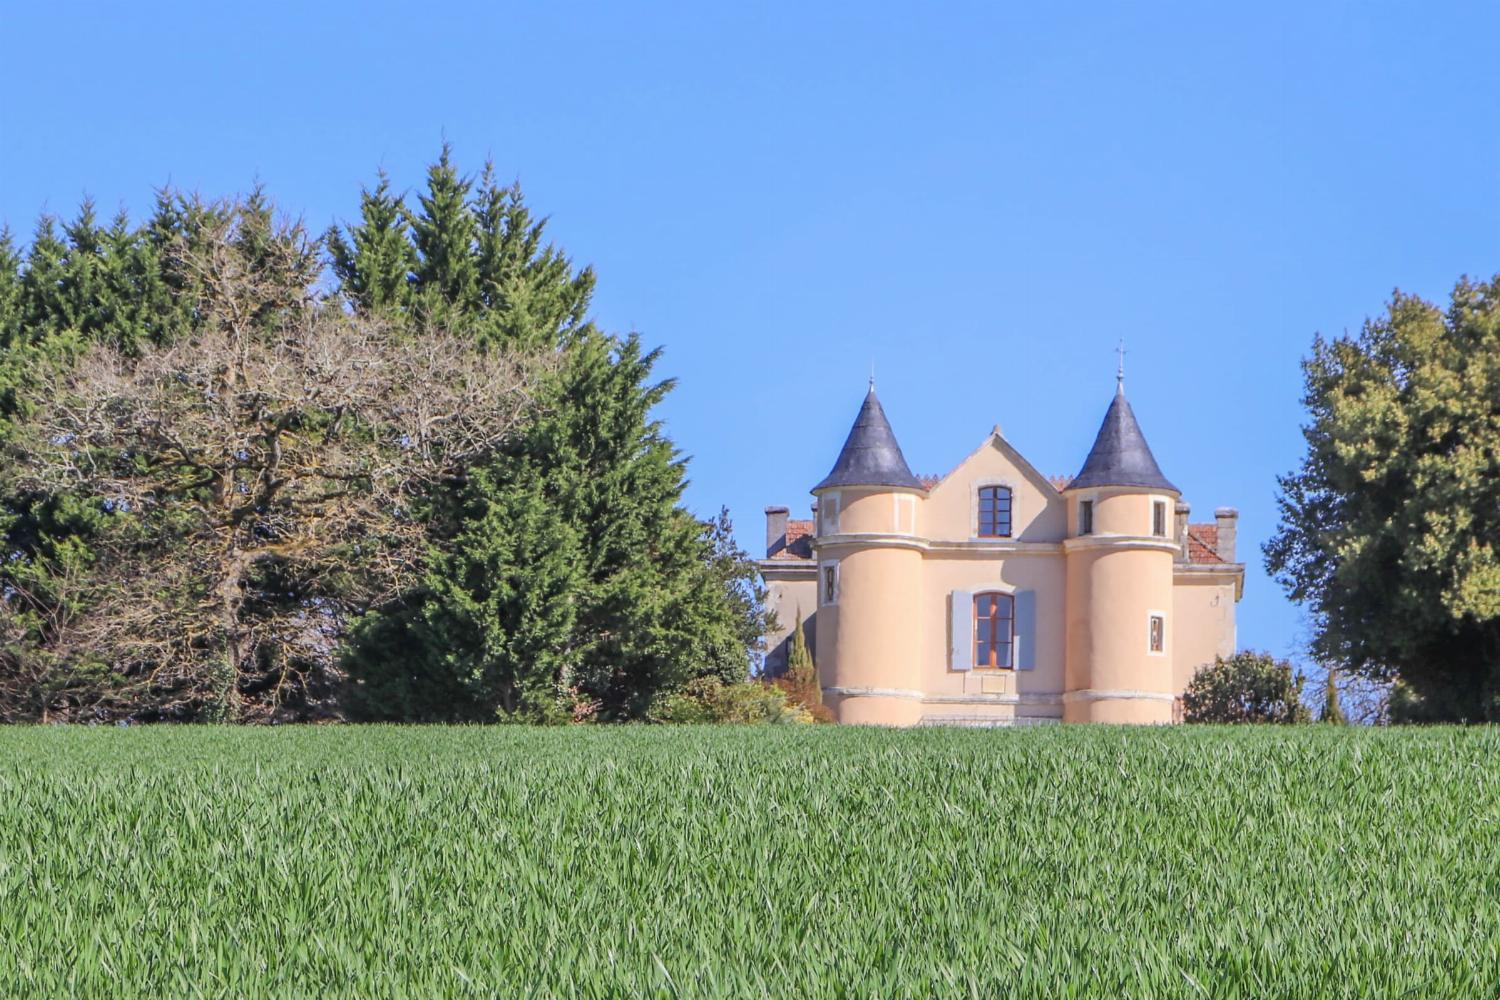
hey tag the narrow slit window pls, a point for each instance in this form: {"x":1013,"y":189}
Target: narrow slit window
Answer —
{"x":1159,"y":519}
{"x":994,"y":631}
{"x":994,"y":512}
{"x":1085,"y":517}
{"x":830,"y":584}
{"x":1158,"y":634}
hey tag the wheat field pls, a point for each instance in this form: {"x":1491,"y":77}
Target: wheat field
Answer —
{"x":746,"y":862}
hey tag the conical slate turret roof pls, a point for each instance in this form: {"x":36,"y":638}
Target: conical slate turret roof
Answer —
{"x":1120,"y":456}
{"x":871,"y":456}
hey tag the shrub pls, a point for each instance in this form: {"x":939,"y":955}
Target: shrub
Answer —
{"x":708,"y":699}
{"x":800,"y":682}
{"x":1245,"y":687}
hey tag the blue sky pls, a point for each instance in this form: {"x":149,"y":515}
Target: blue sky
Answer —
{"x":980,"y":200}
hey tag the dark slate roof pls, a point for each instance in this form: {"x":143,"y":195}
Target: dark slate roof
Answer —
{"x":1120,"y":456}
{"x":871,"y":456}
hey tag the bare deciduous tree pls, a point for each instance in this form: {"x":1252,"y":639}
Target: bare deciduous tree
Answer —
{"x":261,"y":476}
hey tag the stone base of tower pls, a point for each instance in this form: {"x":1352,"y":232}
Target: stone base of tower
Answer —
{"x":1118,"y":708}
{"x":873,"y":709}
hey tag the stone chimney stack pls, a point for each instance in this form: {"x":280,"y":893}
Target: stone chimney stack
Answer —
{"x":1228,"y":519}
{"x":1179,"y":529}
{"x":775,"y":529}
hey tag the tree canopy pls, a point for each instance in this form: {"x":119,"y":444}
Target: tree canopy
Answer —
{"x":394,"y":472}
{"x":1390,"y":529}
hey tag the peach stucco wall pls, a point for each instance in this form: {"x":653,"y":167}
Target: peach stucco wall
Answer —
{"x":1204,"y":627}
{"x":950,"y":513}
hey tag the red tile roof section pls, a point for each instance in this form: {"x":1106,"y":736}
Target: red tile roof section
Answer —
{"x":1203,"y":543}
{"x":798,"y":541}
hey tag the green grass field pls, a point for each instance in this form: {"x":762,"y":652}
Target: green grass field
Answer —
{"x":786,"y":861}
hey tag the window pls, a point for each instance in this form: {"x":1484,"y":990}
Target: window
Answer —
{"x":1159,"y":519}
{"x":994,"y":512}
{"x":994,"y":631}
{"x":830,"y":583}
{"x":1158,"y":634}
{"x":1085,"y":517}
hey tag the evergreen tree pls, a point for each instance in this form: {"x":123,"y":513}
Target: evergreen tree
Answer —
{"x":529,"y":295}
{"x":10,"y":288}
{"x":444,"y":235}
{"x":799,"y":666}
{"x":374,"y":264}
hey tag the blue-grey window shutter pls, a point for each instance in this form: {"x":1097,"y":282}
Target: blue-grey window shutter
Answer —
{"x":1025,"y":630}
{"x":962,"y":650}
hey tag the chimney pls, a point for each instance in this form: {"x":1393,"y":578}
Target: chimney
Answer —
{"x":1228,"y":519}
{"x":1179,"y":529}
{"x":775,"y":530}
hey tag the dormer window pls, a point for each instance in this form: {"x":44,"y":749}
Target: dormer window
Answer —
{"x":994,"y":512}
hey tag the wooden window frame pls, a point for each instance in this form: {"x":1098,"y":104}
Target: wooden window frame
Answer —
{"x":997,"y":491}
{"x":1156,"y":645}
{"x":1159,"y":518}
{"x":992,"y":619}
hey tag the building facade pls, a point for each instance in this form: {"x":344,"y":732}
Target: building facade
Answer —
{"x":997,"y":596}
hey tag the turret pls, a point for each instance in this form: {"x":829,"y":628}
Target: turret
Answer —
{"x":869,"y":576}
{"x":1120,"y":552}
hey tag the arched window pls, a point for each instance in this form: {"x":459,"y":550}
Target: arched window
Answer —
{"x":994,"y":512}
{"x":994,"y":631}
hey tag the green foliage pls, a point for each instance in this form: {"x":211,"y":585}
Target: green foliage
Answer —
{"x":782,"y":861}
{"x":374,"y":261}
{"x":1390,"y":529}
{"x":566,"y":580}
{"x":1245,"y":687}
{"x":799,"y":663}
{"x":710,"y":700}
{"x":566,"y":577}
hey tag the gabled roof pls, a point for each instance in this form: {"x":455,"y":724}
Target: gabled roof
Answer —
{"x":1120,"y":456}
{"x":997,"y":441}
{"x":871,"y":456}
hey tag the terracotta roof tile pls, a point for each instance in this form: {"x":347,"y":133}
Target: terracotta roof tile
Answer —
{"x":1203,"y":543}
{"x":798,"y":545}
{"x":1059,"y":483}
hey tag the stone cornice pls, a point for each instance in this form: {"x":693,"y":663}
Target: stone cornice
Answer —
{"x":1001,"y":546}
{"x":1100,"y":541}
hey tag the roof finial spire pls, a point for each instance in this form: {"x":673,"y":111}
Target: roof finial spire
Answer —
{"x":872,"y":376}
{"x":1120,"y":371}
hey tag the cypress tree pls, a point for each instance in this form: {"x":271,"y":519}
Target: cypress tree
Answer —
{"x":800,"y":669}
{"x":1332,"y":711}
